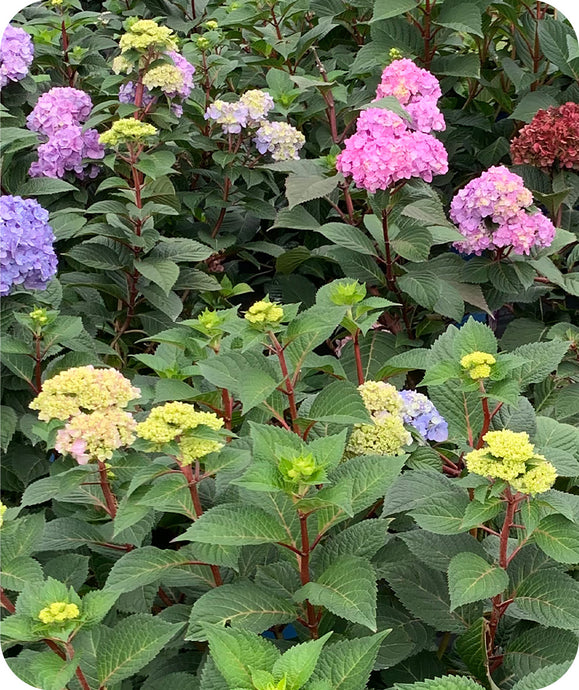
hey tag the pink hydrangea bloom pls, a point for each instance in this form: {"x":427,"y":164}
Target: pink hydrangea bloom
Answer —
{"x":16,"y":54}
{"x":59,"y":107}
{"x":65,"y":151}
{"x":417,"y":90}
{"x":384,"y":151}
{"x":493,"y":211}
{"x":187,"y":71}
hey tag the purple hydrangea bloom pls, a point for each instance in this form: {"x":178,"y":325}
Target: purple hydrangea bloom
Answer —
{"x":231,"y":116}
{"x":26,"y":254}
{"x":59,"y":107}
{"x":65,"y":150}
{"x":419,"y":412}
{"x":16,"y":55}
{"x":187,"y":70}
{"x":128,"y":91}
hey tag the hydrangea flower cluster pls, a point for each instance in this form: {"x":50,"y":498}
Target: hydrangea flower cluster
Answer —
{"x":420,"y":412}
{"x":280,"y":139}
{"x":494,"y":210}
{"x":27,"y":255}
{"x":264,"y":313}
{"x":3,"y":509}
{"x":16,"y":54}
{"x":58,"y":116}
{"x":127,"y":131}
{"x":386,"y":435}
{"x":417,"y":90}
{"x":386,"y":148}
{"x":478,"y":364}
{"x":550,"y":140}
{"x":91,"y":401}
{"x":178,"y":421}
{"x":510,"y":456}
{"x":174,"y":78}
{"x":58,"y":612}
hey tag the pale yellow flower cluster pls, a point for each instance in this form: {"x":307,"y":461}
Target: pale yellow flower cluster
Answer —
{"x":478,"y":364}
{"x":127,"y":131}
{"x":510,"y":456}
{"x":146,"y":34}
{"x":177,"y":421}
{"x":165,"y":77}
{"x":264,"y":313}
{"x":58,"y":612}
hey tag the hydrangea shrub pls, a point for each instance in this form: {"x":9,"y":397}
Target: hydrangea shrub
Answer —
{"x":289,"y":345}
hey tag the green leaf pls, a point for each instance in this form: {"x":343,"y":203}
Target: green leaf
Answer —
{"x":156,"y":164}
{"x":95,"y":255}
{"x":474,"y":336}
{"x":441,"y":516}
{"x":541,"y":360}
{"x":478,"y":513}
{"x":242,"y":604}
{"x":461,"y":16}
{"x":347,"y":588}
{"x":424,"y":288}
{"x":558,"y":538}
{"x":539,"y":647}
{"x":361,"y":539}
{"x":300,"y":189}
{"x":339,"y":403}
{"x":542,"y":677}
{"x":346,"y":665}
{"x":50,"y":671}
{"x":132,"y":643}
{"x":65,"y":534}
{"x":550,"y":598}
{"x":41,"y":186}
{"x":96,"y":605}
{"x":385,"y":9}
{"x":457,"y":65}
{"x":437,"y":550}
{"x":162,"y":272}
{"x":531,"y":103}
{"x":8,"y":421}
{"x":471,"y":578}
{"x":235,"y":525}
{"x":19,"y":571}
{"x":472,"y":648}
{"x":348,"y":236}
{"x":299,"y":662}
{"x":442,"y":683}
{"x":412,"y":241}
{"x":237,"y":652}
{"x":553,"y":40}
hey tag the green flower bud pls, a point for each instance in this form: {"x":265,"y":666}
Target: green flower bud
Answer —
{"x":299,"y":469}
{"x":348,"y":293}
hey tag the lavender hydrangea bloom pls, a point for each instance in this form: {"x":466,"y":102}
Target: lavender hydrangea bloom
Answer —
{"x":26,"y":254}
{"x":16,"y":55}
{"x":280,"y":139}
{"x":419,"y":412}
{"x":65,"y":150}
{"x":59,"y":107}
{"x":231,"y":116}
{"x":187,"y":71}
{"x":128,"y":91}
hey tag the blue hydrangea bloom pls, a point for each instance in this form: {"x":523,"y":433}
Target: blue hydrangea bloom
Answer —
{"x":27,"y":256}
{"x":419,"y":412}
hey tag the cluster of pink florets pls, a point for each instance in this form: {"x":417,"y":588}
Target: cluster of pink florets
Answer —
{"x":58,"y":116}
{"x":417,"y":90}
{"x":494,"y":210}
{"x":386,"y":148}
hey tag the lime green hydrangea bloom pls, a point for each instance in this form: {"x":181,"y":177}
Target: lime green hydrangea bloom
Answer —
{"x":3,"y":509}
{"x":379,"y":396}
{"x":210,"y":320}
{"x":537,"y":480}
{"x":348,"y":293}
{"x":298,"y":469}
{"x":478,"y":364}
{"x":58,"y":612}
{"x":82,"y":389}
{"x":387,"y":436}
{"x":121,"y":65}
{"x":165,"y":77}
{"x":211,"y":24}
{"x":510,"y":456}
{"x":39,"y":316}
{"x":264,"y":313}
{"x":56,"y":3}
{"x":145,"y":34}
{"x":127,"y":131}
{"x":176,"y":421}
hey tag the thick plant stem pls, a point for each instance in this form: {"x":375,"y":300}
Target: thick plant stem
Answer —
{"x":37,"y":363}
{"x":304,"y":562}
{"x":227,"y":414}
{"x":110,"y":499}
{"x":192,"y":481}
{"x":358,"y":356}
{"x":79,"y":674}
{"x":289,"y":387}
{"x":5,"y":601}
{"x":487,"y":416}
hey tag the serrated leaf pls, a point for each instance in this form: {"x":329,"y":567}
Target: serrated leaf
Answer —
{"x":235,"y":525}
{"x":20,"y":571}
{"x":131,"y":644}
{"x":472,"y":647}
{"x":162,"y":272}
{"x":539,"y":647}
{"x":472,"y":578}
{"x":346,"y":665}
{"x":300,"y":189}
{"x":541,"y":360}
{"x":347,"y":588}
{"x":558,"y":537}
{"x":549,"y":598}
{"x":299,"y":662}
{"x":437,"y":550}
{"x":461,"y":16}
{"x":242,"y":604}
{"x":339,"y":403}
{"x":348,"y":236}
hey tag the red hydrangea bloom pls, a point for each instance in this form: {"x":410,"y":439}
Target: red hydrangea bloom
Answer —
{"x":550,"y":140}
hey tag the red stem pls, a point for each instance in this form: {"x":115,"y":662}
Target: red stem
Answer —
{"x":38,"y":363}
{"x":358,"y":355}
{"x":304,"y":563}
{"x":110,"y":499}
{"x":289,"y":388}
{"x":227,"y":414}
{"x":5,"y":601}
